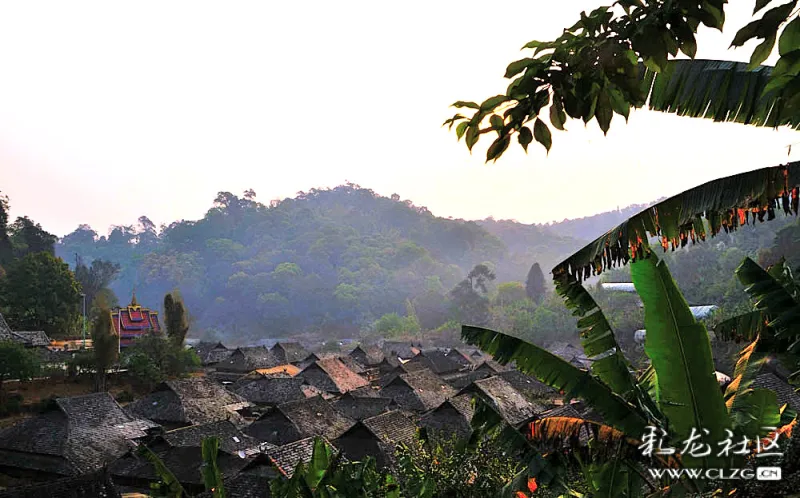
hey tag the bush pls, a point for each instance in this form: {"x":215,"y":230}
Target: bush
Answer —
{"x":12,"y":404}
{"x":154,"y":358}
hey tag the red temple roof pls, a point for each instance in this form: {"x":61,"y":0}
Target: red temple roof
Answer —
{"x":134,"y":321}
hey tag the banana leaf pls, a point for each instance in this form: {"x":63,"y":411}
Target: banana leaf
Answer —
{"x":679,"y":348}
{"x":168,"y":479}
{"x":212,"y":477}
{"x":719,"y":90}
{"x":751,"y":410}
{"x":724,"y":204}
{"x":601,"y":347}
{"x":772,"y":299}
{"x":560,"y":374}
{"x":746,"y":326}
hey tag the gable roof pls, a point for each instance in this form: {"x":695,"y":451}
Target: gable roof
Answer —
{"x":462,"y":356}
{"x":196,"y":400}
{"x":31,"y":338}
{"x":289,"y":352}
{"x":273,"y":390}
{"x":359,"y":408}
{"x":508,"y":402}
{"x":311,"y":417}
{"x":211,"y":352}
{"x":364,"y":392}
{"x":98,"y":484}
{"x":367,"y":355}
{"x":248,"y":359}
{"x":352,"y":364}
{"x":427,"y":389}
{"x":404,"y":350}
{"x":342,"y":377}
{"x":287,"y":457}
{"x":231,"y":440}
{"x":452,"y":416}
{"x":80,"y":435}
{"x":5,"y":330}
{"x":464,"y":379}
{"x":437,"y":362}
{"x":786,"y":394}
{"x":392,"y":427}
{"x":490,"y":365}
{"x":528,"y":386}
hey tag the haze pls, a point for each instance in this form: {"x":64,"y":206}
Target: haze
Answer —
{"x":109,"y":111}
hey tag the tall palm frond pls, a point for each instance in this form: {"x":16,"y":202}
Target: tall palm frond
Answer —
{"x":725,"y":204}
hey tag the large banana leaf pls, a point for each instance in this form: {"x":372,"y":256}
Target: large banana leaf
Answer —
{"x":773,"y":300}
{"x":751,"y":410}
{"x":725,"y":204}
{"x":555,"y":372}
{"x":680,"y":351}
{"x":169,"y":484}
{"x":600,"y":345}
{"x":719,"y":90}
{"x":746,"y":326}
{"x":212,"y":476}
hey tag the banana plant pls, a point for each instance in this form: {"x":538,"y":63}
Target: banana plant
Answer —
{"x":328,"y":475}
{"x":685,"y":393}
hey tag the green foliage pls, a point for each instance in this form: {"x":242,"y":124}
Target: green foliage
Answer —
{"x":327,"y":475}
{"x":535,"y":284}
{"x":16,"y":362}
{"x":167,"y":485}
{"x":154,"y":358}
{"x":95,"y":278}
{"x":451,"y":468}
{"x":105,"y":347}
{"x":469,"y":297}
{"x":687,"y":390}
{"x":510,"y":293}
{"x":40,"y":293}
{"x":212,"y":476}
{"x":6,"y":248}
{"x":28,"y":237}
{"x":176,"y":318}
{"x":612,"y":60}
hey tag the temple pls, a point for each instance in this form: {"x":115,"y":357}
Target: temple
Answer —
{"x":133,"y":321}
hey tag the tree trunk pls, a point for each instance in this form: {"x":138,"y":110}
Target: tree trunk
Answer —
{"x":100,"y":381}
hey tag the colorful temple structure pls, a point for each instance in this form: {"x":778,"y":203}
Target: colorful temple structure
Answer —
{"x":134,"y":321}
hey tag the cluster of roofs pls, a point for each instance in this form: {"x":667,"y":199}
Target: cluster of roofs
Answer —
{"x":266,"y":406}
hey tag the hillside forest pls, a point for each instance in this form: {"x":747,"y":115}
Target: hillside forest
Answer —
{"x":348,"y":263}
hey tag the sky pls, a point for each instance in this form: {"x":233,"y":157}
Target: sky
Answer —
{"x":113,"y":110}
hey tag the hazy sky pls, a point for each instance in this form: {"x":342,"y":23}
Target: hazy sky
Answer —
{"x":112,"y":110}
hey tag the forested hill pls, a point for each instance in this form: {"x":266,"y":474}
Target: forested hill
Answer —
{"x":334,"y":259}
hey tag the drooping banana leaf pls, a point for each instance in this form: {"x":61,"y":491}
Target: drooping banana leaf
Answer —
{"x":600,"y":345}
{"x":168,"y":479}
{"x":745,"y":372}
{"x":744,"y":327}
{"x":560,"y":374}
{"x":212,"y":476}
{"x":680,"y":351}
{"x":725,"y":204}
{"x":719,"y":90}
{"x":559,"y":432}
{"x":772,"y":299}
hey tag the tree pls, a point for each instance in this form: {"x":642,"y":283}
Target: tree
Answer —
{"x":105,"y":346}
{"x":534,"y":284}
{"x":6,"y":249}
{"x":95,"y":278}
{"x":40,"y":293}
{"x":469,"y":297}
{"x":16,"y":362}
{"x":28,"y":237}
{"x":509,"y":293}
{"x":176,"y":319}
{"x":612,"y":60}
{"x":154,"y":358}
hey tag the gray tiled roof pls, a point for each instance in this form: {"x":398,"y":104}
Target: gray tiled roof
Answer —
{"x":211,"y":352}
{"x":231,"y":439}
{"x":338,"y":378}
{"x":786,"y":394}
{"x":31,"y":338}
{"x":528,"y":386}
{"x":367,"y":355}
{"x":95,"y":485}
{"x":272,"y":391}
{"x":392,"y":427}
{"x":5,"y":330}
{"x":418,"y":391}
{"x":287,"y":457}
{"x":289,"y":352}
{"x":309,"y":417}
{"x":437,"y":362}
{"x":509,"y":402}
{"x":359,"y":408}
{"x":189,"y":401}
{"x":81,"y":435}
{"x":247,"y":359}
